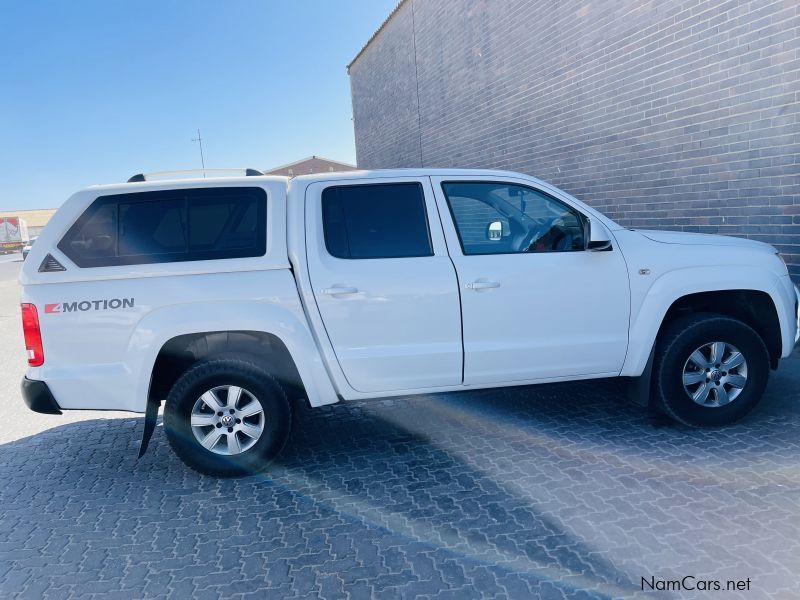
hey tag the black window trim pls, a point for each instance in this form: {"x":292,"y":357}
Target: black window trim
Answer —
{"x":382,"y":183}
{"x":168,"y":257}
{"x":583,"y":219}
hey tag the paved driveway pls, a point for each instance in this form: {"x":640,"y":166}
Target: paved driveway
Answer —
{"x":553,"y":491}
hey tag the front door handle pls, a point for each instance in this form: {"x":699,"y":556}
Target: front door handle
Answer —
{"x":340,"y":290}
{"x":483,"y":285}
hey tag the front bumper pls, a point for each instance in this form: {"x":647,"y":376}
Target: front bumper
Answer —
{"x":797,"y":313}
{"x":38,"y":397}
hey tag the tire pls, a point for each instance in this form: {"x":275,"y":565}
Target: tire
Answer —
{"x":677,"y":363}
{"x":189,"y":403}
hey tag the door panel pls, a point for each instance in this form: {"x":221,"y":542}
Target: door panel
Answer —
{"x":394,"y":323}
{"x":537,"y":315}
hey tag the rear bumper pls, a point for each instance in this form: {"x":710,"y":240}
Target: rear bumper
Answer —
{"x":37,"y":396}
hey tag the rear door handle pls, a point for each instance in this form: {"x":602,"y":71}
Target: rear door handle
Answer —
{"x":340,"y":290}
{"x":482,"y":285}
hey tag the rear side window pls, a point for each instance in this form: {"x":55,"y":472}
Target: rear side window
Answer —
{"x":376,"y":221}
{"x":169,"y":226}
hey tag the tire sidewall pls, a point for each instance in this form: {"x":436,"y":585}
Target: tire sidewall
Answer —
{"x":696,"y":333}
{"x":209,"y":374}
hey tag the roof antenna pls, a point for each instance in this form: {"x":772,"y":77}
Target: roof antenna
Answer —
{"x":202,"y":160}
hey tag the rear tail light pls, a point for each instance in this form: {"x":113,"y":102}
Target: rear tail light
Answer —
{"x":33,"y":335}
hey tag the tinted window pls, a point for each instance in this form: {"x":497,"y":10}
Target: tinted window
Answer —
{"x":376,"y":221}
{"x":169,"y":226}
{"x":152,"y":227}
{"x":504,"y":218}
{"x":96,"y":237}
{"x":223,"y":224}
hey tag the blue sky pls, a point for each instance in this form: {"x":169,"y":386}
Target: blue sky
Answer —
{"x":94,"y":91}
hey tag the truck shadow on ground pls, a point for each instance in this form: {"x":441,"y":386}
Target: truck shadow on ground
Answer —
{"x":561,"y":490}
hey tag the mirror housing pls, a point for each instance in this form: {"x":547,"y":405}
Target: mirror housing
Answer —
{"x":598,"y":238}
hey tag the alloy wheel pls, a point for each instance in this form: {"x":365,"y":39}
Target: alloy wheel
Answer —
{"x":227,"y":420}
{"x":715,"y":374}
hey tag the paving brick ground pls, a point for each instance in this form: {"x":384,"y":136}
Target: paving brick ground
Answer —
{"x":554,"y":491}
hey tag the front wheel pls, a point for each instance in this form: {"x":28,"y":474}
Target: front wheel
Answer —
{"x":709,"y":370}
{"x":227,"y":417}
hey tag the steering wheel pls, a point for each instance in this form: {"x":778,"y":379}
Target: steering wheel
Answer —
{"x":562,"y":240}
{"x":549,"y":229}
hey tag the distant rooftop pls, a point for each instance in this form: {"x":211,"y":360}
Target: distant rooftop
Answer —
{"x":37,"y":217}
{"x":311,"y":164}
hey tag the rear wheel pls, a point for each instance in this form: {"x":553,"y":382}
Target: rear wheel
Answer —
{"x":709,"y":370}
{"x":227,"y":417}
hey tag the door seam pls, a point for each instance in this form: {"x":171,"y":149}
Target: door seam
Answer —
{"x":458,"y":281}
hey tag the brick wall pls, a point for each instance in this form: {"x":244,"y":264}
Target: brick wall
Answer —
{"x":662,"y":113}
{"x":386,"y":98}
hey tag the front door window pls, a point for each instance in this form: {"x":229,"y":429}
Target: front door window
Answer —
{"x":505,"y":218}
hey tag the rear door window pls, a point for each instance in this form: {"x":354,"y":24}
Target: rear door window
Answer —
{"x":169,"y":226}
{"x":376,"y":221}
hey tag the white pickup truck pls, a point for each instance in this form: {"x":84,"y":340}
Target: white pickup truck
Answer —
{"x":230,"y":298}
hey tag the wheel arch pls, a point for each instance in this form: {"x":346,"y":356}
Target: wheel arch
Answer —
{"x":753,"y":307}
{"x":180,"y":352}
{"x":751,"y":299}
{"x":169,"y":338}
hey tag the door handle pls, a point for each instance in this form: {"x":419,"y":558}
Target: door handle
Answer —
{"x":483,"y":285}
{"x":340,"y":291}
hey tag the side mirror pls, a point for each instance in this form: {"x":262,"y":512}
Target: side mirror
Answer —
{"x":494,"y":231}
{"x":597,"y":237}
